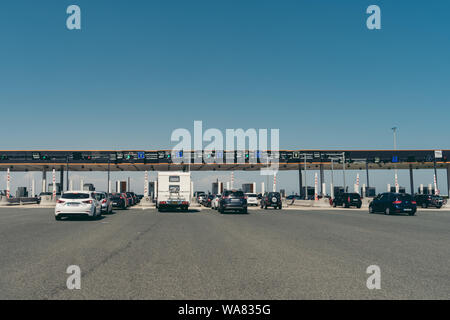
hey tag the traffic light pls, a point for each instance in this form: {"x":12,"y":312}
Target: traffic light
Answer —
{"x":4,"y":157}
{"x":45,"y":157}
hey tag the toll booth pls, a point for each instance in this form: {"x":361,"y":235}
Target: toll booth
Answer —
{"x":58,"y":188}
{"x":400,"y":189}
{"x":88,"y":187}
{"x":309,"y":192}
{"x":21,"y":192}
{"x":370,"y":192}
{"x":426,"y":190}
{"x":248,"y":188}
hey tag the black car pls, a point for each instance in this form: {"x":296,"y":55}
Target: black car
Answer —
{"x":131,"y":200}
{"x":136,"y":199}
{"x":118,"y":200}
{"x":233,"y":200}
{"x":271,"y":199}
{"x":207,"y":200}
{"x":428,"y":200}
{"x":347,"y":200}
{"x":391,"y":202}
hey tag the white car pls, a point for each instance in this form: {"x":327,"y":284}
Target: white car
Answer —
{"x":76,"y":204}
{"x":252,"y":199}
{"x":215,"y":201}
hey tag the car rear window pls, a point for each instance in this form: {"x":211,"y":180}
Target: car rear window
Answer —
{"x":234,"y":193}
{"x":404,"y":197}
{"x":274,"y":194}
{"x":354,"y":195}
{"x":251,"y":195}
{"x":99,"y":196}
{"x":75,"y":196}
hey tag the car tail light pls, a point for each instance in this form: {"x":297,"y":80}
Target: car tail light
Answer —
{"x":60,"y":201}
{"x":397,"y":202}
{"x":88,"y":201}
{"x":245,"y":197}
{"x":185,"y":202}
{"x":104,"y":201}
{"x":225,"y":197}
{"x":348,"y":199}
{"x":162,"y":202}
{"x":413,"y":202}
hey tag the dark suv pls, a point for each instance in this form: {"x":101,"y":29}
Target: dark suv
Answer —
{"x":271,"y":199}
{"x":347,"y":200}
{"x":233,"y":200}
{"x":391,"y":202}
{"x":428,"y":200}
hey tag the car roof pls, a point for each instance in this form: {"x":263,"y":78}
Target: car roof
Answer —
{"x":78,"y":191}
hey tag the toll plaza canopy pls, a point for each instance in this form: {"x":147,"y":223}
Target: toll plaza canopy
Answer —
{"x":203,"y":160}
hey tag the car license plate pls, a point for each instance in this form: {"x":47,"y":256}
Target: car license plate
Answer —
{"x":234,"y":200}
{"x":72,"y":204}
{"x":407,"y":209}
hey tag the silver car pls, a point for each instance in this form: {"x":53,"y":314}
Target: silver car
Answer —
{"x":105,"y":201}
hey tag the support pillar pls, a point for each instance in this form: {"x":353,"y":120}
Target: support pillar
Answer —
{"x":367,"y":174}
{"x":411,"y":179}
{"x":44,"y":180}
{"x":322,"y":180}
{"x":61,"y":179}
{"x":300,"y":181}
{"x":448,"y":180}
{"x":109,"y":177}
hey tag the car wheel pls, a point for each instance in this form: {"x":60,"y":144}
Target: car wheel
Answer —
{"x":387,"y":211}
{"x":334,"y":204}
{"x":358,"y":206}
{"x":424,"y":205}
{"x":438,"y":207}
{"x":57,"y":218}
{"x":412,"y":213}
{"x":244,"y":210}
{"x":371,"y":209}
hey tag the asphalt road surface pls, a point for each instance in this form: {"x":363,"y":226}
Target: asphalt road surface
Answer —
{"x":267,"y":254}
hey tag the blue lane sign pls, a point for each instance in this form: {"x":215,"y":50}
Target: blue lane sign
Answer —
{"x":394,"y":159}
{"x":141,"y":155}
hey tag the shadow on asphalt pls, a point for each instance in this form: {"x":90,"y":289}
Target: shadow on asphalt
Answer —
{"x":74,"y":219}
{"x":180,"y":211}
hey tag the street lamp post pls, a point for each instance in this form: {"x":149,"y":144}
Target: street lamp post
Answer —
{"x":306,"y":187}
{"x":343,"y":168}
{"x":397,"y":188}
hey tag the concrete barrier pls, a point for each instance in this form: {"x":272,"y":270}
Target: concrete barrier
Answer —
{"x":3,"y":201}
{"x":47,"y":200}
{"x":147,"y":202}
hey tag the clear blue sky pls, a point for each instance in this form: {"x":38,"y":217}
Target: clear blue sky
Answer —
{"x":139,"y":69}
